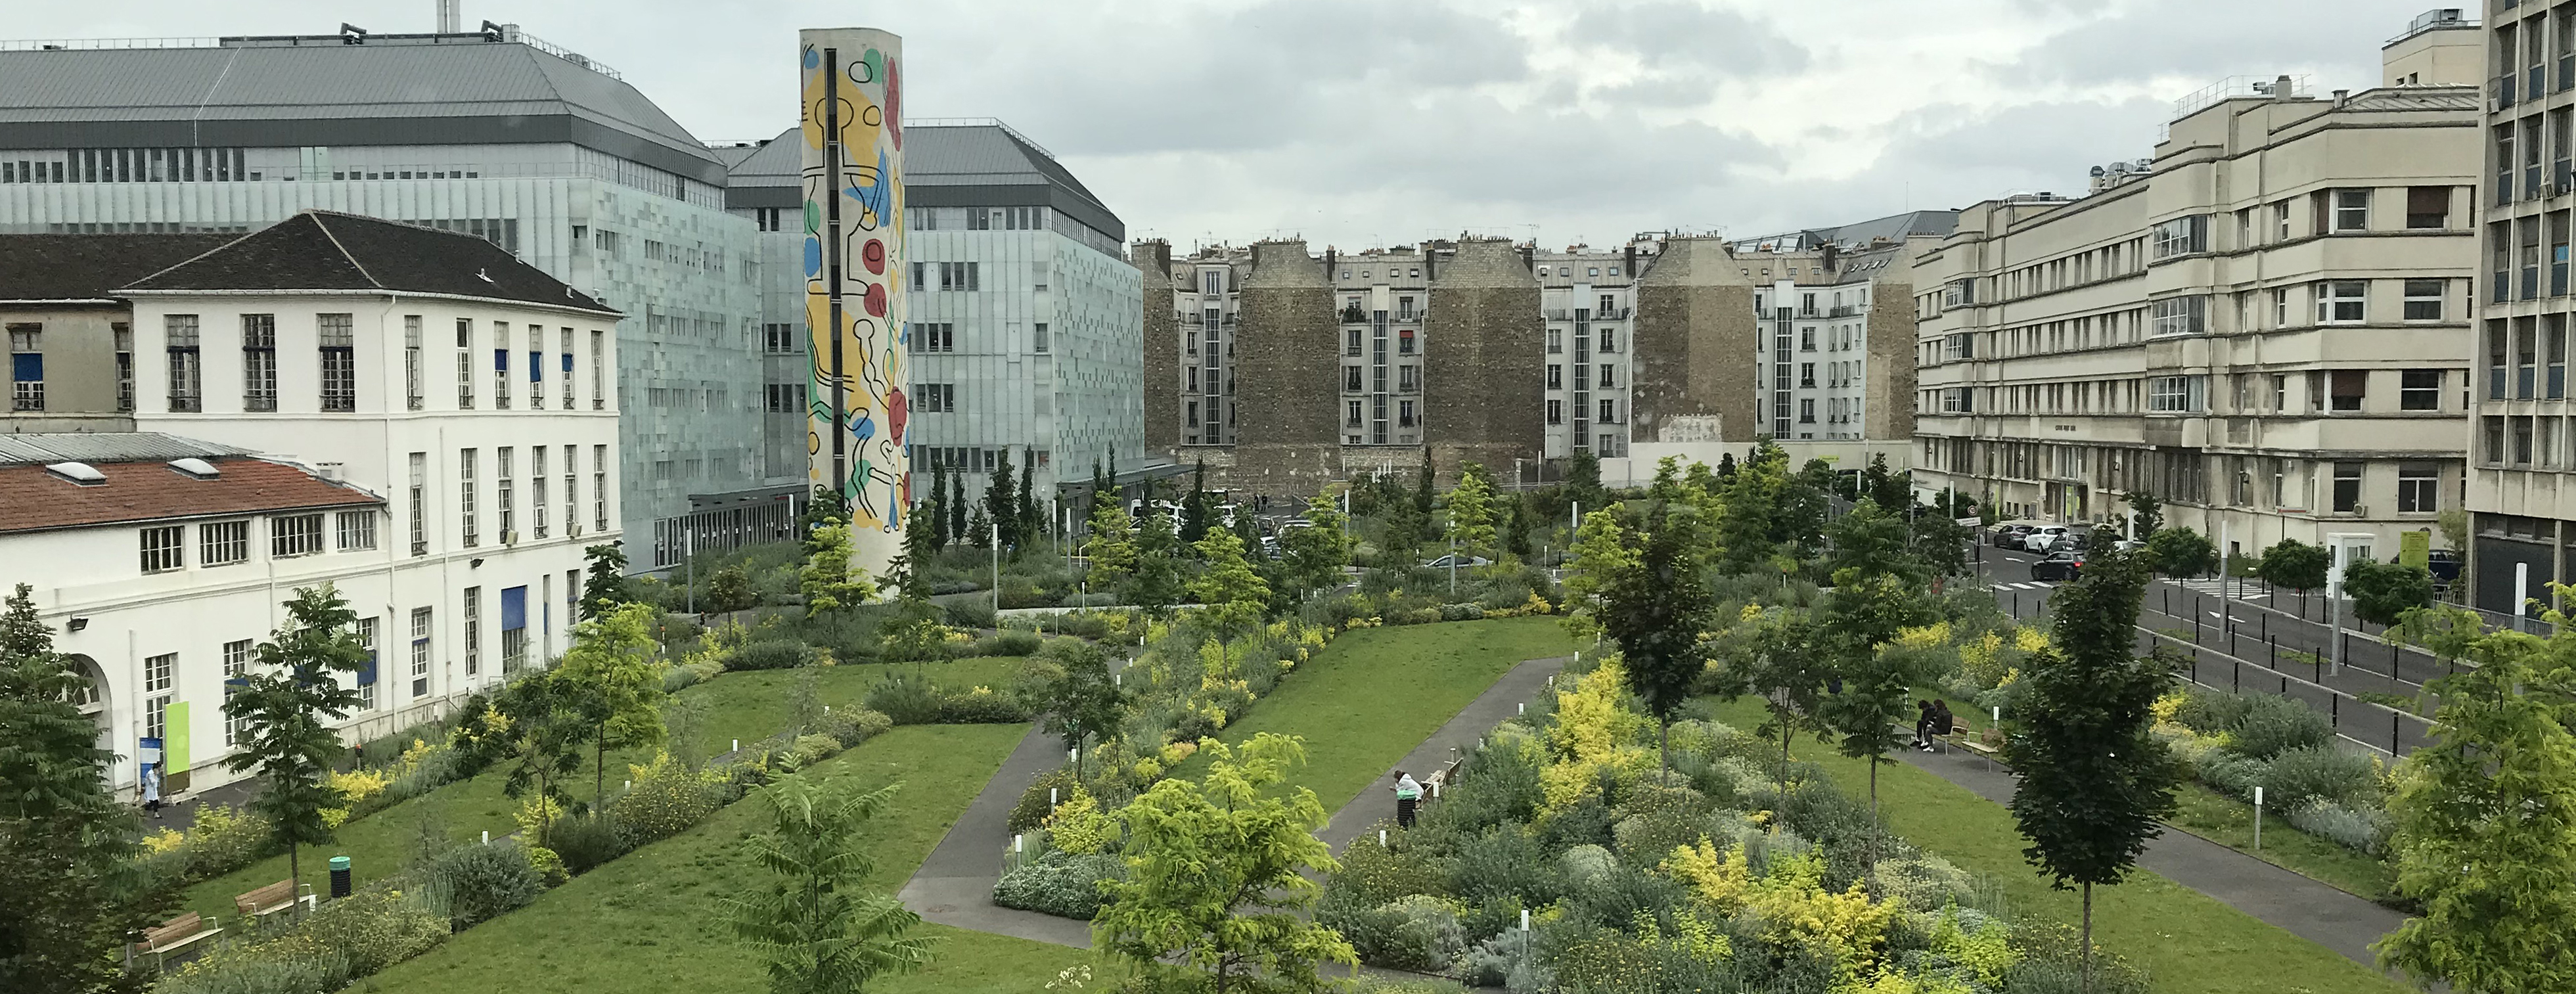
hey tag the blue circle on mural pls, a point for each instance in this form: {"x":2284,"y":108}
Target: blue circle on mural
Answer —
{"x":813,"y":257}
{"x":864,"y":428}
{"x":812,"y":58}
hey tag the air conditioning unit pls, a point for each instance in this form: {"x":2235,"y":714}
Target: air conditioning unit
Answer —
{"x":510,"y":537}
{"x":574,"y":529}
{"x":2361,"y":510}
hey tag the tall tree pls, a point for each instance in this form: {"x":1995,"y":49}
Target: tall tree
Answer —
{"x":1218,"y":875}
{"x":1859,"y":620}
{"x":1002,"y":503}
{"x":957,"y":507}
{"x":1752,"y":501}
{"x":534,"y":729}
{"x":1400,"y":534}
{"x":1601,"y":555}
{"x":1111,"y":547}
{"x":911,"y":572}
{"x":1231,"y":594}
{"x":1314,"y":556}
{"x":65,"y":844}
{"x":284,"y":707}
{"x":1157,"y":584}
{"x":603,"y":581}
{"x":1655,"y":608}
{"x":1869,"y":541}
{"x":1033,"y":522}
{"x":1194,"y":508}
{"x":933,"y":516}
{"x":1471,"y":509}
{"x":1892,"y":489}
{"x":615,"y":681}
{"x":2094,"y":780}
{"x":827,"y":580}
{"x":814,"y":924}
{"x":1583,"y":480}
{"x":1078,"y":699}
{"x":1784,"y":656}
{"x":2146,"y":512}
{"x":2486,"y":820}
{"x":1423,"y":495}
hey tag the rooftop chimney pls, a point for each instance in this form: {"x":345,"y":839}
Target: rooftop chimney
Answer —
{"x":2282,"y":88}
{"x":451,"y":18}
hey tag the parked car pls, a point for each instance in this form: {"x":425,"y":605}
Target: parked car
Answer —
{"x":2060,"y":566}
{"x":2009,"y":534}
{"x":2043,"y":538}
{"x":1444,"y":561}
{"x":2444,"y":564}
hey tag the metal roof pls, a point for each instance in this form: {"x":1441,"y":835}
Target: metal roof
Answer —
{"x":463,"y":92}
{"x":945,"y":164}
{"x":110,"y":446}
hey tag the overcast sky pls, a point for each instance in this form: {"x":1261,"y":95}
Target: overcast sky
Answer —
{"x":1367,"y":123}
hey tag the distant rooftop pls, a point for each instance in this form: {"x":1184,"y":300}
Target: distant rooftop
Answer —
{"x":947,"y":162}
{"x":326,"y":250}
{"x":107,"y":446}
{"x":90,"y":267}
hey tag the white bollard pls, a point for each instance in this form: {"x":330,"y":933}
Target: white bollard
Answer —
{"x":1051,"y":791}
{"x":1019,"y":843}
{"x":1073,"y":756}
{"x":1381,"y":838}
{"x":1435,"y":790}
{"x":487,"y":836}
{"x":1524,"y":707}
{"x":630,"y":785}
{"x":737,"y":745}
{"x":2258,"y":817}
{"x":1999,"y":714}
{"x":1524,"y":919}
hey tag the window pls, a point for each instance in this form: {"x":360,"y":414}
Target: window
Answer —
{"x":164,"y":548}
{"x":411,"y":362}
{"x":1038,"y":341}
{"x":2428,"y":207}
{"x":2341,"y":302}
{"x":505,"y":491}
{"x":1555,"y":341}
{"x":1957,"y":400}
{"x":501,"y":366}
{"x":420,"y":635}
{"x":935,"y":398}
{"x":180,"y":331}
{"x":357,"y":530}
{"x":259,"y":362}
{"x":473,"y":609}
{"x":2424,"y":300}
{"x":1609,"y":411}
{"x":537,"y":487}
{"x":2347,"y":488}
{"x":786,"y":398}
{"x":2179,"y":316}
{"x":2420,"y":390}
{"x":1806,"y":374}
{"x":930,"y":336}
{"x":294,"y":535}
{"x":598,"y":486}
{"x":2348,"y":387}
{"x":2352,"y":210}
{"x":1404,"y":341}
{"x":2177,"y":394}
{"x":514,"y":629}
{"x":366,"y":632}
{"x":598,"y":360}
{"x":1351,"y":421}
{"x":1806,"y":412}
{"x":465,"y":496}
{"x":223,"y":543}
{"x":1556,"y":376}
{"x":26,"y":369}
{"x":1404,"y":413}
{"x":778,"y":339}
{"x":158,"y":672}
{"x":464,"y":364}
{"x":237,"y":656}
{"x":418,"y":502}
{"x":536,"y":368}
{"x":1350,"y":344}
{"x":1609,"y":376}
{"x":958,"y":275}
{"x":2181,"y":236}
{"x":1556,"y":412}
{"x":2419,"y":488}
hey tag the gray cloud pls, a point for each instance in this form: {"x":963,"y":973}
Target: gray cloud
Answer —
{"x":1665,"y":32}
{"x":2140,"y":41}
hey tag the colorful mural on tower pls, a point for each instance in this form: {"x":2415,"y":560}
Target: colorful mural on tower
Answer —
{"x":854,"y":271}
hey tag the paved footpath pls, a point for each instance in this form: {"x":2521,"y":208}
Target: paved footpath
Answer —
{"x":955,"y":885}
{"x":2310,"y":910}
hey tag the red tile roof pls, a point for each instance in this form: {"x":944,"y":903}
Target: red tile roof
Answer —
{"x":32,"y":499}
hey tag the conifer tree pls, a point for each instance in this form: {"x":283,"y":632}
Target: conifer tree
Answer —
{"x":603,"y":581}
{"x":1194,"y":508}
{"x":934,"y":511}
{"x":959,"y":532}
{"x":1032,"y":524}
{"x":1002,"y":504}
{"x":1111,"y":546}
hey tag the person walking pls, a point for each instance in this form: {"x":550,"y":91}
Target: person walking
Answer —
{"x":1408,"y":798}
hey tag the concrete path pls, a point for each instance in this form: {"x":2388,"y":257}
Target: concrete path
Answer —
{"x":955,"y":885}
{"x":2310,"y":910}
{"x":1501,"y":701}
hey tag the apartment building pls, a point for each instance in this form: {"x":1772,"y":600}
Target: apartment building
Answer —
{"x":2265,"y":329}
{"x":1024,"y":314}
{"x":2521,"y":500}
{"x":547,"y":153}
{"x":71,"y":343}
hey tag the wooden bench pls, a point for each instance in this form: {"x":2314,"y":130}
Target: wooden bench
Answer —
{"x":269,"y":900}
{"x":171,"y":936}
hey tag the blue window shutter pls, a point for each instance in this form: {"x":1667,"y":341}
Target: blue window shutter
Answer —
{"x":27,"y":367}
{"x":514,"y":608}
{"x":536,"y":366}
{"x":567,"y":365}
{"x":501,"y":360}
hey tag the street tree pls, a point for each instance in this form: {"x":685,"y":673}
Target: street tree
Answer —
{"x":66,"y":845}
{"x":1859,"y":624}
{"x":2095,"y":781}
{"x":603,"y":580}
{"x":827,"y":580}
{"x":1655,"y":606}
{"x":1078,"y":698}
{"x":2382,"y":592}
{"x":2483,"y":818}
{"x":2180,"y":552}
{"x":816,"y":926}
{"x":1313,"y":557}
{"x":1231,"y":594}
{"x":2296,"y":565}
{"x":1220,"y":882}
{"x":286,"y":705}
{"x":615,"y":681}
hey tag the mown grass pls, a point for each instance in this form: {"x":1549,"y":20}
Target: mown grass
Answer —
{"x":2187,"y":942}
{"x":653,"y":920}
{"x":2230,"y":822}
{"x":1376,"y":693}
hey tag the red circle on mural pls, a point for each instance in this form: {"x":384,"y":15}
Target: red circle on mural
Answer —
{"x":873,"y":253}
{"x":876,"y":300}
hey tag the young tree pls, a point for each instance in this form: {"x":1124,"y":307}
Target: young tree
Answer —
{"x":65,"y":844}
{"x":2179,"y":552}
{"x":980,"y":531}
{"x":616,"y":683}
{"x":1514,"y":523}
{"x":1655,"y":608}
{"x":1782,"y":655}
{"x":1940,"y":543}
{"x":1892,"y":489}
{"x":284,"y":705}
{"x":2147,"y":512}
{"x":1726,"y":467}
{"x":1471,"y":509}
{"x":1001,"y":505}
{"x":1194,"y":508}
{"x":1858,"y":623}
{"x":1078,"y":699}
{"x":1400,"y":541}
{"x":1218,"y":875}
{"x":1033,"y":523}
{"x":603,"y":581}
{"x":959,"y":529}
{"x":1602,"y":553}
{"x":1111,"y":547}
{"x":2296,"y":565}
{"x":1157,"y":584}
{"x":1583,"y":480}
{"x":828,"y":581}
{"x":1422,"y":493}
{"x":2381,"y":592}
{"x":920,"y":549}
{"x":814,"y":923}
{"x":1744,"y":530}
{"x":1313,"y":557}
{"x":2482,"y":816}
{"x":535,"y":728}
{"x":823,"y":504}
{"x":1231,"y":595}
{"x":932,"y":515}
{"x":1871,"y":542}
{"x":2094,"y":780}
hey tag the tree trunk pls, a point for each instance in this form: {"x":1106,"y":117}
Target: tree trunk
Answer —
{"x":599,"y":773}
{"x":1666,"y":747}
{"x":2087,"y":973}
{"x":294,"y":878}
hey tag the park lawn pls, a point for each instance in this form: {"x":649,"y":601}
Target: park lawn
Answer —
{"x":750,"y":705}
{"x":2230,"y":822}
{"x":1375,"y":693}
{"x":653,"y":919}
{"x":2184,"y":940}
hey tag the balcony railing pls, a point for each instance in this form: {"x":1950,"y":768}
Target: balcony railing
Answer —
{"x":1843,"y":310}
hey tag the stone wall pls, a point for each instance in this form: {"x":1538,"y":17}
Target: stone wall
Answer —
{"x":1695,"y":340}
{"x":1162,"y":344}
{"x":1483,"y":357}
{"x":1285,"y":363}
{"x":1887,"y":402}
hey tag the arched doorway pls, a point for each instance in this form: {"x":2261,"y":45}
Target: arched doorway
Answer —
{"x":92,"y":700}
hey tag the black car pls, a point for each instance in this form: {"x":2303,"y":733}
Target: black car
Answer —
{"x":2060,"y":566}
{"x":2444,"y":564}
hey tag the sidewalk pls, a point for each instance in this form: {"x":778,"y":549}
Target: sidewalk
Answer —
{"x":2303,"y":907}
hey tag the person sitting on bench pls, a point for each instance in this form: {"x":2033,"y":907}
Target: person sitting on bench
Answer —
{"x":1940,"y":723}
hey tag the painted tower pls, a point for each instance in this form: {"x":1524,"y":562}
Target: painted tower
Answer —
{"x":854,"y":297}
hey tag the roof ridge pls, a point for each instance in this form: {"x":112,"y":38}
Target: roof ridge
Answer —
{"x":344,"y":250}
{"x":147,"y":277}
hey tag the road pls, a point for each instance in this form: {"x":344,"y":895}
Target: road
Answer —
{"x":2245,"y":641}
